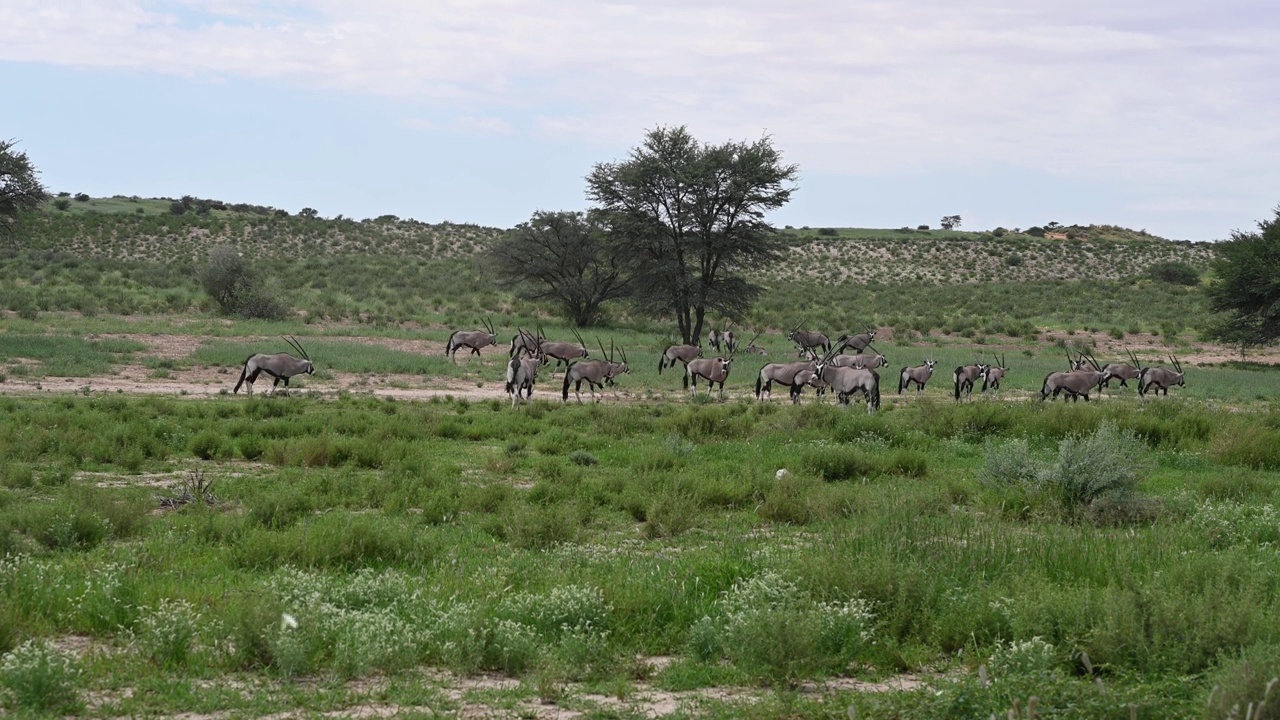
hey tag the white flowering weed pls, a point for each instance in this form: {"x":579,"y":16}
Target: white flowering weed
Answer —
{"x":1022,"y":658}
{"x":37,"y":677}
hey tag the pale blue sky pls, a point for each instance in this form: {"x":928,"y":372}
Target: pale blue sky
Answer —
{"x":1149,"y":114}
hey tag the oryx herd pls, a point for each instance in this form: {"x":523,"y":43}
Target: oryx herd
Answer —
{"x":823,"y":366}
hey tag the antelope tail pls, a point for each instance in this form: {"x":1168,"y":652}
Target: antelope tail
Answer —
{"x":243,"y":373}
{"x":564,"y":395}
{"x":875,"y":399}
{"x":661,"y":362}
{"x":1044,"y":388}
{"x":902,"y":380}
{"x":448,"y":347}
{"x":512,"y":368}
{"x":984,"y":383}
{"x":759,"y":384}
{"x":956,"y":376}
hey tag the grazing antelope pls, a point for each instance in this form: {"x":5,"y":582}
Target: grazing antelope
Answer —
{"x":846,"y":382}
{"x":1123,"y":371}
{"x":754,"y":349}
{"x":595,"y":373}
{"x":522,"y":372}
{"x":280,"y":366}
{"x":808,"y":339}
{"x":918,"y":375}
{"x":994,"y":374}
{"x":1076,"y":384}
{"x":1162,"y":378}
{"x":678,"y":354}
{"x":473,"y":339}
{"x":564,"y":352}
{"x":965,"y":376}
{"x":860,"y":342}
{"x":529,"y":345}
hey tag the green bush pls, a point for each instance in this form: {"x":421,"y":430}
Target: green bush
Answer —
{"x":34,"y":676}
{"x":1109,"y":463}
{"x":1246,"y":680}
{"x":1175,"y":273}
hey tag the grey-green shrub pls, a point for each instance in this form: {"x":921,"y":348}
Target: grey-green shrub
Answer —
{"x":35,"y":676}
{"x":1109,"y":462}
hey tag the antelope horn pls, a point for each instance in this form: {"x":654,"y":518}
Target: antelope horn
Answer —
{"x":294,"y":341}
{"x":602,"y":352}
{"x":623,"y":353}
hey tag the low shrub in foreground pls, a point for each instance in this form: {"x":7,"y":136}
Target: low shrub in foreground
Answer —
{"x":35,"y":676}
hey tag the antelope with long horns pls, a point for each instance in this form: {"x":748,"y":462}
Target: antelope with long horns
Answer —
{"x":526,"y":344}
{"x":1076,"y":384}
{"x":564,"y":352}
{"x":678,"y":354}
{"x":808,"y":339}
{"x":965,"y":376}
{"x":784,"y":374}
{"x":713,"y":370}
{"x":473,"y":339}
{"x":595,"y":373}
{"x":1123,"y":371}
{"x":994,"y":374}
{"x":280,"y":367}
{"x":522,"y":372}
{"x":862,"y":360}
{"x":918,"y":375}
{"x":861,"y":341}
{"x":846,"y":382}
{"x":1162,"y":378}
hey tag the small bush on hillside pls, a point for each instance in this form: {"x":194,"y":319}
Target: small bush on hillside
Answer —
{"x":1175,"y":273}
{"x":236,"y":288}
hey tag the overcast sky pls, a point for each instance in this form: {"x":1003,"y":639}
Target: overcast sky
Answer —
{"x":1158,"y":115}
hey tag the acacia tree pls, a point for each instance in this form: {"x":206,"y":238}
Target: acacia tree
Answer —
{"x":689,"y":218}
{"x":950,"y":222}
{"x":564,"y":257}
{"x":1247,"y":288}
{"x":20,"y":188}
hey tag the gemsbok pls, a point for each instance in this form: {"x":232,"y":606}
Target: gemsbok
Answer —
{"x":713,"y":370}
{"x":861,"y":341}
{"x":280,"y":366}
{"x":918,"y":375}
{"x":1122,"y":371}
{"x":1076,"y":383}
{"x":806,"y":340}
{"x":965,"y":376}
{"x":473,"y":339}
{"x":678,"y":354}
{"x":1162,"y":378}
{"x":846,"y":382}
{"x":862,"y":360}
{"x":564,"y":352}
{"x":522,"y":372}
{"x":527,"y":344}
{"x":994,"y":374}
{"x":784,"y":374}
{"x":595,"y":373}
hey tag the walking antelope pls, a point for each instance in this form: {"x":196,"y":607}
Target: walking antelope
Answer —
{"x":524,"y":343}
{"x":846,"y":382}
{"x":1162,"y":378}
{"x":861,"y":341}
{"x":678,"y":354}
{"x":713,"y":370}
{"x":522,"y":372}
{"x":564,"y":352}
{"x":1123,"y":371}
{"x":1076,"y":384}
{"x":994,"y":374}
{"x":280,"y":366}
{"x":784,"y":374}
{"x":918,"y":375}
{"x":595,"y":373}
{"x":806,"y":339}
{"x":473,"y":339}
{"x":965,"y":376}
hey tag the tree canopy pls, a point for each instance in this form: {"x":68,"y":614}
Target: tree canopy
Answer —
{"x":564,"y":257}
{"x":20,"y":188}
{"x":1247,"y":288}
{"x":688,"y":217}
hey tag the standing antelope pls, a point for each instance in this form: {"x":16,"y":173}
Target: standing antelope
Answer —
{"x":807,"y":339}
{"x":678,"y":354}
{"x":595,"y":373}
{"x":473,"y":339}
{"x":965,"y":376}
{"x":564,"y":352}
{"x":994,"y":374}
{"x":1076,"y":384}
{"x":846,"y":382}
{"x":713,"y":370}
{"x":863,"y":360}
{"x":918,"y":375}
{"x":860,"y":342}
{"x":522,"y":372}
{"x":784,"y":374}
{"x":1162,"y":378}
{"x":280,"y":366}
{"x":1123,"y":371}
